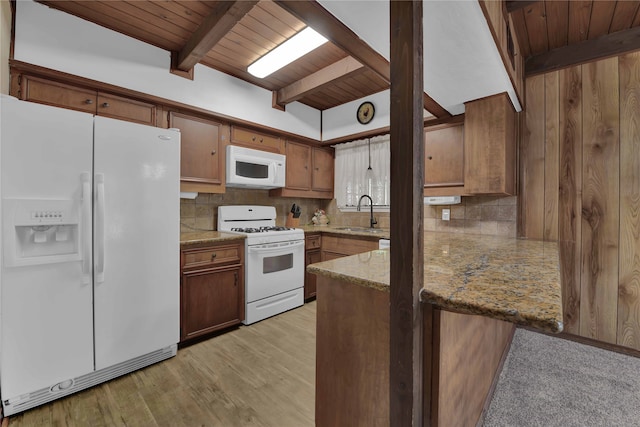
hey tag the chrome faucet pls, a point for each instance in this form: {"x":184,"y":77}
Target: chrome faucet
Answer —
{"x":372,"y":220}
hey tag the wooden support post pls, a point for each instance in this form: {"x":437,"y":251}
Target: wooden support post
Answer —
{"x":407,"y":234}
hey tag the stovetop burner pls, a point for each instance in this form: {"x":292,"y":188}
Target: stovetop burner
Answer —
{"x":260,"y":229}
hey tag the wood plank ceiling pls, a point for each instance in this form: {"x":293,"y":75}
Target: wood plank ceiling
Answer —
{"x":553,"y":34}
{"x":229,"y":36}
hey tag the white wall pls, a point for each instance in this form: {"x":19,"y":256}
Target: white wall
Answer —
{"x":341,"y":120}
{"x":461,"y":60}
{"x":5,"y":42}
{"x":60,"y":41}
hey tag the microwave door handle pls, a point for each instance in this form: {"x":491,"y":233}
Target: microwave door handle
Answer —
{"x":272,"y":165}
{"x":258,"y":249}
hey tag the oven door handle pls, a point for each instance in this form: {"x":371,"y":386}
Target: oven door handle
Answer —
{"x":273,"y":247}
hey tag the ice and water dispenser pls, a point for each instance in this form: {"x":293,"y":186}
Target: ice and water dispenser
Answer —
{"x":41,"y":231}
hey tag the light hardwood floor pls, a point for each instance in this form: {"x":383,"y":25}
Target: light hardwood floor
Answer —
{"x":258,"y":375}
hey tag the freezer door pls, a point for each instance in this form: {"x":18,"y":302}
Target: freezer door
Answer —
{"x":136,"y":239}
{"x":47,"y":317}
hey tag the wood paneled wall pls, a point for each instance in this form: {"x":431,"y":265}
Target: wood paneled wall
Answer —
{"x":580,"y":185}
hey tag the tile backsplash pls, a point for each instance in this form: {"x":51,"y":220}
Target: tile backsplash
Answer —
{"x":201,"y":213}
{"x":474,"y":215}
{"x":494,"y":215}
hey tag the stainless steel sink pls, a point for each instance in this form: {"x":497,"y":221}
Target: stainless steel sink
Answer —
{"x":361,"y":229}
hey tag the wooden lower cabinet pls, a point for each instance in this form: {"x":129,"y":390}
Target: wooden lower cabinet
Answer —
{"x":337,"y":246}
{"x":325,"y":247}
{"x":310,"y":279}
{"x":313,"y":254}
{"x":211,"y":289}
{"x":463,"y":356}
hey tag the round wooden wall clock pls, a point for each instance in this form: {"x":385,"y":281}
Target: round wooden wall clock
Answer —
{"x":365,"y":112}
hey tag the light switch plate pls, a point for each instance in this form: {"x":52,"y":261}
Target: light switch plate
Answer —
{"x":446,"y":214}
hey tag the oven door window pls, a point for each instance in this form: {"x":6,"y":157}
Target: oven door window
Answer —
{"x":277,"y":263}
{"x":252,"y":170}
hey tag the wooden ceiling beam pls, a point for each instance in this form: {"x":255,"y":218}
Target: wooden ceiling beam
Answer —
{"x":321,"y":20}
{"x":513,"y":5}
{"x":215,"y":26}
{"x":434,"y":108}
{"x":316,"y":16}
{"x":343,"y":69}
{"x":586,"y":51}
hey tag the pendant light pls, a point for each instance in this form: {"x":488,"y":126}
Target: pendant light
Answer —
{"x":369,"y":176}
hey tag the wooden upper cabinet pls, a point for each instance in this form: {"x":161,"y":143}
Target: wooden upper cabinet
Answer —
{"x":490,"y":146}
{"x":202,"y":156}
{"x":49,"y":92}
{"x":256,"y":140}
{"x":322,"y":173}
{"x":298,"y":166}
{"x":444,"y":157}
{"x":309,"y":172}
{"x":121,"y":108}
{"x":42,"y":91}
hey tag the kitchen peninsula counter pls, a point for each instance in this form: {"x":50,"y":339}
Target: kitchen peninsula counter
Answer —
{"x":476,"y":288}
{"x":508,"y":279}
{"x":381,"y":233}
{"x":203,"y":238}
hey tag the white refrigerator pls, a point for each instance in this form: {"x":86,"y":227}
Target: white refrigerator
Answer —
{"x":89,"y":285}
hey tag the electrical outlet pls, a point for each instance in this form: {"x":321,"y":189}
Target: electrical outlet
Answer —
{"x":446,"y":214}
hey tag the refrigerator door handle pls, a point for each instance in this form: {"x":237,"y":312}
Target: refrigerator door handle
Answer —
{"x":85,"y":178}
{"x":99,"y":228}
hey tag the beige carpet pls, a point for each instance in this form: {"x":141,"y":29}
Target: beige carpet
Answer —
{"x":549,"y":381}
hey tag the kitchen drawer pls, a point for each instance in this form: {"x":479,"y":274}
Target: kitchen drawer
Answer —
{"x":58,"y":94}
{"x":121,"y":108}
{"x":255,"y":140}
{"x":194,"y":259}
{"x":347,"y":245}
{"x":312,"y":242}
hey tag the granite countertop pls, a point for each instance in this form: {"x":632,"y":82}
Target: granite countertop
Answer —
{"x":352,"y":231}
{"x":196,"y":238}
{"x":504,"y":278}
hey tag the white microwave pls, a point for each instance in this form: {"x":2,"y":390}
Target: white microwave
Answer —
{"x":254,"y":168}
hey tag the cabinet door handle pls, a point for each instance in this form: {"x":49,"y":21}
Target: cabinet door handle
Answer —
{"x":253,"y":138}
{"x":88,"y":101}
{"x":260,"y":139}
{"x":213,"y":152}
{"x":105,"y":104}
{"x":213,"y":256}
{"x":430,"y":158}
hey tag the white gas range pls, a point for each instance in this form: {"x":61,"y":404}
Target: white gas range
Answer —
{"x":274,"y":260}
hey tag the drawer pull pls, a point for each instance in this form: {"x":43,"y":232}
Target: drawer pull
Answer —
{"x":213,"y":153}
{"x":213,"y":256}
{"x":88,"y":101}
{"x":105,"y":104}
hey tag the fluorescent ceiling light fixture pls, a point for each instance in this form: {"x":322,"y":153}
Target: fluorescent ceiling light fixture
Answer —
{"x":295,"y":47}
